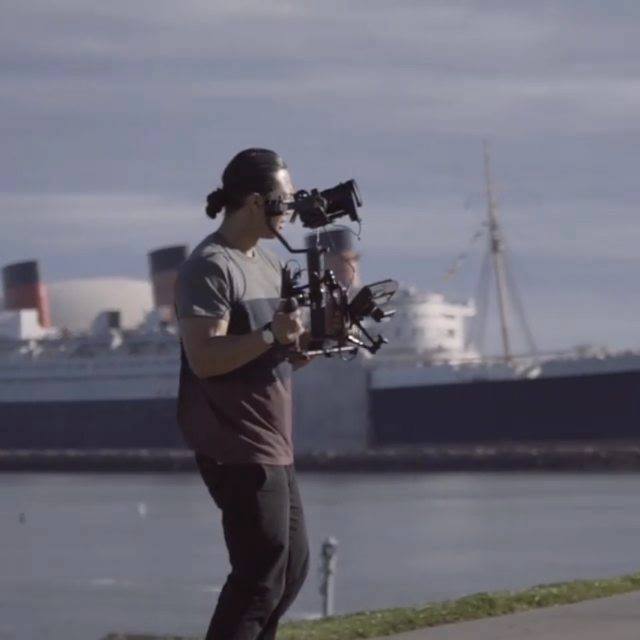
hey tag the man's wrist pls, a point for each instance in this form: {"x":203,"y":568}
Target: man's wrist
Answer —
{"x":268,"y":336}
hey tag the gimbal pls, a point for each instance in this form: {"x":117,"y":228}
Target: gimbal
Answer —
{"x":336,"y":322}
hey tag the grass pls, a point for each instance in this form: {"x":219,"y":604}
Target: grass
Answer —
{"x":370,"y":624}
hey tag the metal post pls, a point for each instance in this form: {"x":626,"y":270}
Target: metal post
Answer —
{"x":329,"y":561}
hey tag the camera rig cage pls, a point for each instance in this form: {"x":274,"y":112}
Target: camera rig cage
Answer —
{"x":336,"y":321}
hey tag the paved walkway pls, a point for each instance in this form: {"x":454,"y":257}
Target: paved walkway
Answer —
{"x":615,"y":618}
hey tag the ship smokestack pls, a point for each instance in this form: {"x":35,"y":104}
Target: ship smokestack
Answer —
{"x":163,"y":265}
{"x":341,"y":256}
{"x":23,"y":290}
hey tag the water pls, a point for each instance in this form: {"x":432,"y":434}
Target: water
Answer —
{"x":144,"y":553}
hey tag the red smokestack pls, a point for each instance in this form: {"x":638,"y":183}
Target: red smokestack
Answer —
{"x":23,"y":290}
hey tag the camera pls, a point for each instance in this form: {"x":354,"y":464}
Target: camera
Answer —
{"x":336,"y":322}
{"x":319,"y":208}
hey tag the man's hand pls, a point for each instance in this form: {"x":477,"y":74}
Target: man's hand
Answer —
{"x":287,"y":327}
{"x":297,"y":358}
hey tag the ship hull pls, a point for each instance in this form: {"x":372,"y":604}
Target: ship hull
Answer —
{"x":330,"y":411}
{"x":95,"y":424}
{"x":571,"y":408}
{"x":586,"y":407}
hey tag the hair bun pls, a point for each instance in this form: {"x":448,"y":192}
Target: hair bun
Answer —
{"x":216,"y":202}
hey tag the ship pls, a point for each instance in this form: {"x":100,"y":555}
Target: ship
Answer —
{"x":452,"y":394}
{"x":113,"y":384}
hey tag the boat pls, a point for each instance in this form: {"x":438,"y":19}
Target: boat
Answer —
{"x":112,"y":385}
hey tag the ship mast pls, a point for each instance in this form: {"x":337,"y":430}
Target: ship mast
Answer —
{"x":497,"y":255}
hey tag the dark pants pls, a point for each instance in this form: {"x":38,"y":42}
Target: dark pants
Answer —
{"x":266,"y":538}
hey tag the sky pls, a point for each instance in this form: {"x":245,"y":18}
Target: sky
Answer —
{"x":118,"y":118}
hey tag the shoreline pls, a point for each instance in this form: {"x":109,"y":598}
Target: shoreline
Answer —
{"x":473,"y":607}
{"x":568,"y":457}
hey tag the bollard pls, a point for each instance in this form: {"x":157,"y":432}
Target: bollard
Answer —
{"x":328,"y":561}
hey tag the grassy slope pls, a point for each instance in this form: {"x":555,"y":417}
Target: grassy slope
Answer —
{"x":370,"y":624}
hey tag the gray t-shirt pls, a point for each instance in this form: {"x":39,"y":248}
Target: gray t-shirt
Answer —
{"x":244,"y":415}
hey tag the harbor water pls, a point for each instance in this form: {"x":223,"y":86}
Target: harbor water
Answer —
{"x":87,"y":554}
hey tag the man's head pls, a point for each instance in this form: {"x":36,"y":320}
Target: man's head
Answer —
{"x":252,"y":179}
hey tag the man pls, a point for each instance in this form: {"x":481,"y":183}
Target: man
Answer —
{"x":234,"y":404}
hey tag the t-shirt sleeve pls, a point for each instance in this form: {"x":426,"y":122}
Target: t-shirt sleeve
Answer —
{"x":203,"y":290}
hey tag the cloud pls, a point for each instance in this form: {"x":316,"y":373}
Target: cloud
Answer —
{"x":437,"y":67}
{"x":71,"y":224}
{"x":443,"y":227}
{"x":118,"y":117}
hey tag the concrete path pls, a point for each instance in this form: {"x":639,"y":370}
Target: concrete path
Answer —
{"x":615,"y":618}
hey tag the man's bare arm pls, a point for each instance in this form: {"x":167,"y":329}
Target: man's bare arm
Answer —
{"x":211,"y":352}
